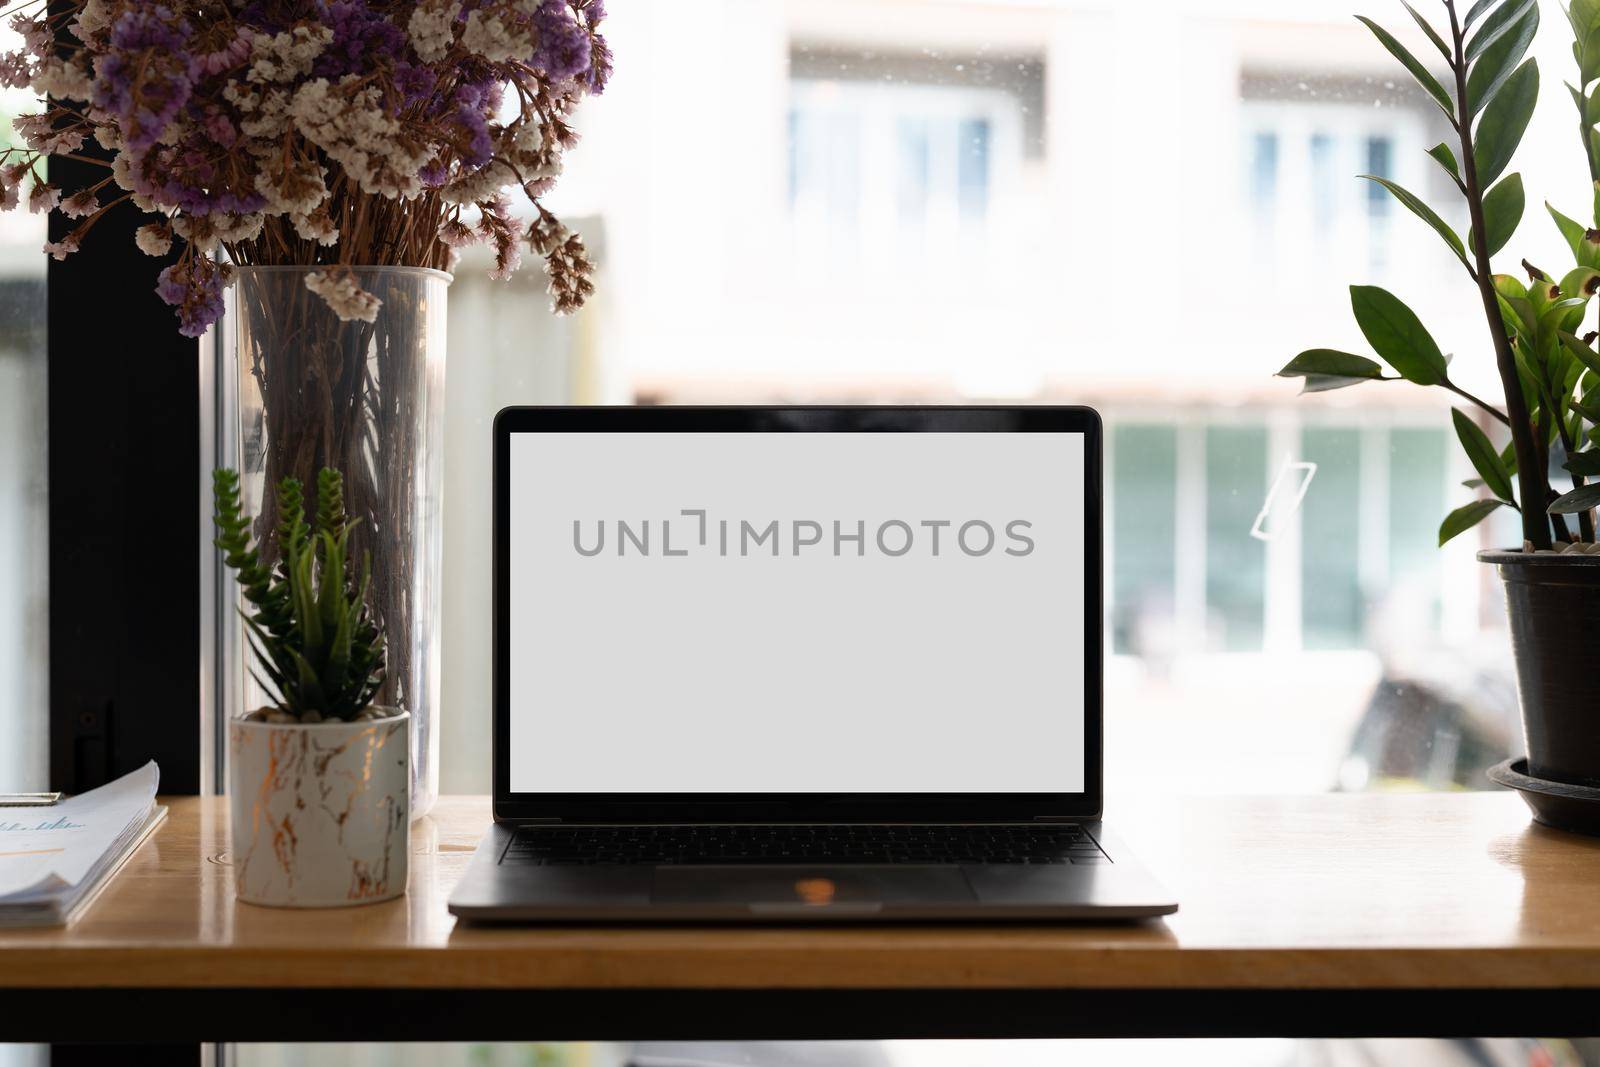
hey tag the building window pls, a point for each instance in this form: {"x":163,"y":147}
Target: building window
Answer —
{"x":1302,"y":160}
{"x":1144,"y":485}
{"x":1236,"y":485}
{"x":1332,"y":604}
{"x":895,"y":177}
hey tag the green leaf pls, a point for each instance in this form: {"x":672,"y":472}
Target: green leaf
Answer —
{"x":1433,"y":34}
{"x":1502,"y":213}
{"x":1485,"y":459}
{"x":1324,"y":369}
{"x":1497,"y":25}
{"x":1515,"y":306}
{"x":1559,"y":309}
{"x":1591,"y":412}
{"x":1581,"y":281}
{"x":1476,"y":10}
{"x":1465,"y":518}
{"x":1501,"y":56}
{"x":330,"y":596}
{"x":1583,"y":15}
{"x":1397,"y":335}
{"x":1508,"y":459}
{"x":311,"y":695}
{"x":1578,"y":500}
{"x":1410,"y":62}
{"x":1589,"y":56}
{"x":1586,"y":464}
{"x":1571,"y":229}
{"x":1447,"y":159}
{"x":1504,"y":122}
{"x":1415,"y":205}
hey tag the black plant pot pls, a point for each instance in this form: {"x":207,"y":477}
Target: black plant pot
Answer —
{"x":1553,"y":603}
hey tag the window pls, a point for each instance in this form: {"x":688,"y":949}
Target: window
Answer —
{"x":901,"y":201}
{"x":924,"y":158}
{"x":939,"y":206}
{"x":23,"y":493}
{"x":1143,"y":462}
{"x":24,"y":518}
{"x":1236,"y":480}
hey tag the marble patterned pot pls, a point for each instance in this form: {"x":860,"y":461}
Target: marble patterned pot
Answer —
{"x":320,"y":811}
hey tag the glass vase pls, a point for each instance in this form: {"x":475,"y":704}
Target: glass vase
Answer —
{"x":366,"y":398}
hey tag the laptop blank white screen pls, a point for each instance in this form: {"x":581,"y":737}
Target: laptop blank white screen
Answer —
{"x":796,"y":613}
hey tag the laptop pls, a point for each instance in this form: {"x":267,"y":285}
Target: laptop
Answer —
{"x":799,"y":664}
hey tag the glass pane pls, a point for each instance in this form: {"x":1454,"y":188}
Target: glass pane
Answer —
{"x":1236,"y":482}
{"x":24,"y":496}
{"x":24,"y":531}
{"x":1332,"y":609}
{"x":1144,"y":478}
{"x":927,"y":203}
{"x":1419,"y":475}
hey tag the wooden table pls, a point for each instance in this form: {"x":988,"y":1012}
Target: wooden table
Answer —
{"x":1319,"y":915}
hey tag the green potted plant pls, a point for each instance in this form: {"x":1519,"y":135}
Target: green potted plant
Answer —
{"x":318,"y":782}
{"x":1549,"y":370}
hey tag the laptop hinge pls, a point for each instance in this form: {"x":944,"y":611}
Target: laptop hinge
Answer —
{"x":1055,"y":818}
{"x":543,"y":821}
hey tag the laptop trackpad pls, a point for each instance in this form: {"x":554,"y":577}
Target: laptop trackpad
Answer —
{"x":790,"y":889}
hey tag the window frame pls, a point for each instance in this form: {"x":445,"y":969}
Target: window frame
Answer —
{"x":124,"y":499}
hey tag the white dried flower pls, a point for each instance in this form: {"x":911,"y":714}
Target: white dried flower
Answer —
{"x":316,"y":227}
{"x":285,"y":57}
{"x":95,"y":16}
{"x":432,"y":28}
{"x":507,"y":257}
{"x":35,"y":33}
{"x":501,"y":34}
{"x":341,"y":292}
{"x":297,"y":189}
{"x":198,"y":230}
{"x":241,"y":96}
{"x":457,"y":234}
{"x":232,"y":228}
{"x":80,"y":205}
{"x":349,"y":123}
{"x":43,"y":197}
{"x":480,"y":185}
{"x":269,"y":115}
{"x":154,"y":239}
{"x":61,"y":79}
{"x":63,"y":248}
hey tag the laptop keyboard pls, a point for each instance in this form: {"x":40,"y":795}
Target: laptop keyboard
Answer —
{"x":719,"y":845}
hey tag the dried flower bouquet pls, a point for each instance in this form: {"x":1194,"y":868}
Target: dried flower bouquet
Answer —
{"x":319,"y":133}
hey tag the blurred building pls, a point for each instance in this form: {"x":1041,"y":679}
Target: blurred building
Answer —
{"x":1148,"y":208}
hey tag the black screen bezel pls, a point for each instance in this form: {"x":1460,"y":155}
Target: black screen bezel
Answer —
{"x":802,"y":807}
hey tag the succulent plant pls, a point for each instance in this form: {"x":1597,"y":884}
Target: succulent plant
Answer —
{"x":313,"y":636}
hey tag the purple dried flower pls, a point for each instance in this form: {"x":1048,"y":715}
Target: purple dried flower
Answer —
{"x":433,"y":174}
{"x":361,"y":37}
{"x":194,"y":286}
{"x":593,"y":12}
{"x":473,"y":112}
{"x":414,"y":83}
{"x":220,"y":129}
{"x":146,"y":75}
{"x":204,"y":106}
{"x":563,"y":47}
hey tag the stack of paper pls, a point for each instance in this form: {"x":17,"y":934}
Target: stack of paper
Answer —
{"x":54,"y":860}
